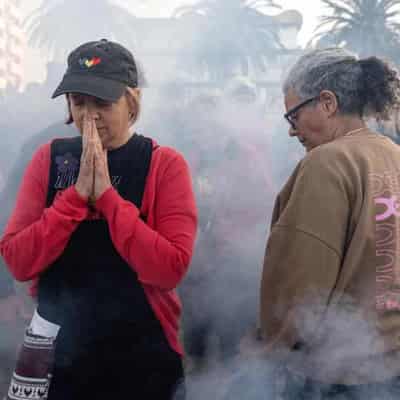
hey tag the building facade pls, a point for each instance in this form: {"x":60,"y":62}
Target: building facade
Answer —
{"x":159,"y":44}
{"x":12,"y":43}
{"x":160,"y":40}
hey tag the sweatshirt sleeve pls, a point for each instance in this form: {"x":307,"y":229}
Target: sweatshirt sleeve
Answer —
{"x":303,"y":256}
{"x":35,"y":236}
{"x":159,"y":256}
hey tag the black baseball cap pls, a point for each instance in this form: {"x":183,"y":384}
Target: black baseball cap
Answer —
{"x":101,"y":69}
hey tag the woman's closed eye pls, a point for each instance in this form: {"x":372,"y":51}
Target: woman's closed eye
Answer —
{"x":103,"y":103}
{"x":78,"y":100}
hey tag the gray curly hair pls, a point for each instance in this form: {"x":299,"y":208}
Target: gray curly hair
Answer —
{"x":367,"y":87}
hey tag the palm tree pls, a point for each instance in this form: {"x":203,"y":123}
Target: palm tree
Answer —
{"x":57,"y":26}
{"x":366,"y":27}
{"x":229,"y":34}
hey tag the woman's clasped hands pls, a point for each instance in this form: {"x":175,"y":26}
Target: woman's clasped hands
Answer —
{"x":94,"y":178}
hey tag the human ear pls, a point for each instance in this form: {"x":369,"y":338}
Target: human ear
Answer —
{"x":133,"y":101}
{"x":329,"y":102}
{"x":70,"y":118}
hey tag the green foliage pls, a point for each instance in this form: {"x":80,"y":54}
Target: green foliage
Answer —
{"x":366,"y":27}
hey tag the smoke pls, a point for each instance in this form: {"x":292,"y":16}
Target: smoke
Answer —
{"x":232,"y":133}
{"x":229,"y":138}
{"x":245,"y":378}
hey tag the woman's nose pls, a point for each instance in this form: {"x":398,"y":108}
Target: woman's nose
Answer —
{"x":93,"y":110}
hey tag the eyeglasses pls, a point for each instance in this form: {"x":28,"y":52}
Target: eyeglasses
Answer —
{"x":290,"y":115}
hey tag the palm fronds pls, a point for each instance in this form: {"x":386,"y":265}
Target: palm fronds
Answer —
{"x":232,"y":33}
{"x":366,"y":27}
{"x":57,"y":26}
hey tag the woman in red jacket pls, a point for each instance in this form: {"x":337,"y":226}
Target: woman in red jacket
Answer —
{"x":105,"y":225}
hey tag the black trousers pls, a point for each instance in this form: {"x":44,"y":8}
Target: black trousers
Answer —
{"x":120,"y":369}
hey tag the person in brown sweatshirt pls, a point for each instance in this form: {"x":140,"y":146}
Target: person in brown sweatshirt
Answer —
{"x":330,"y":290}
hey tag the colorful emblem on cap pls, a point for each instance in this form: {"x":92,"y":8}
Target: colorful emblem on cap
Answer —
{"x":89,"y":62}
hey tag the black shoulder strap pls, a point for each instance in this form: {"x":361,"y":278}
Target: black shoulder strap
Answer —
{"x":133,"y":162}
{"x":65,"y":158}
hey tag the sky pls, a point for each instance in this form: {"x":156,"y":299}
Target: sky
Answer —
{"x":310,"y":9}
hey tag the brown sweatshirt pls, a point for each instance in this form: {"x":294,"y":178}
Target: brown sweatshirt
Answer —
{"x":330,"y":291}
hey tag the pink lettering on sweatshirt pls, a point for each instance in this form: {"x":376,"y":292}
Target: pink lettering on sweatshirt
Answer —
{"x":386,"y":195}
{"x":392,"y":207}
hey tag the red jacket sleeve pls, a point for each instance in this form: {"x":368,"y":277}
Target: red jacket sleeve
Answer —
{"x":160,"y":257}
{"x":36,"y":236}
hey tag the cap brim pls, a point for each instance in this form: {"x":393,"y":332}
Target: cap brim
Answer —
{"x":91,"y":85}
